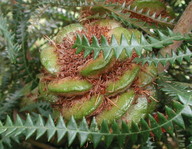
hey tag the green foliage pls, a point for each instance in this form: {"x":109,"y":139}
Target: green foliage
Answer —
{"x":8,"y":105}
{"x":117,"y":14}
{"x":82,"y":43}
{"x":72,"y":128}
{"x":21,"y":31}
{"x":153,"y":59}
{"x":70,"y":3}
{"x":11,"y":101}
{"x":7,"y":142}
{"x":159,"y":19}
{"x":42,"y":107}
{"x":12,"y":47}
{"x":180,"y":137}
{"x":86,"y":132}
{"x":117,"y":10}
{"x":175,"y":89}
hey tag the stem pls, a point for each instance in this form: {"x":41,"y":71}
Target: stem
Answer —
{"x":183,"y":26}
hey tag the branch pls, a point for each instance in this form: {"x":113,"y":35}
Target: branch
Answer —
{"x":183,"y":26}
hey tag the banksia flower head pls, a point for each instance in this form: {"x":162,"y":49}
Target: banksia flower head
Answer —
{"x":85,"y":84}
{"x":87,"y":87}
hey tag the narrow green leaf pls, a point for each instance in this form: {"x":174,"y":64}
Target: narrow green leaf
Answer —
{"x":94,"y":126}
{"x":186,"y":98}
{"x":18,"y":123}
{"x":146,"y":43}
{"x":187,"y":111}
{"x":156,"y":43}
{"x":83,"y":132}
{"x":96,"y":137}
{"x":61,"y":129}
{"x":2,"y":129}
{"x":72,"y":126}
{"x":136,"y":45}
{"x":50,"y":128}
{"x":164,"y":59}
{"x":105,"y":129}
{"x":177,"y":120}
{"x":134,"y":136}
{"x":115,"y":44}
{"x":77,"y":42}
{"x":177,"y":106}
{"x":124,"y":128}
{"x":144,"y":126}
{"x":104,"y":47}
{"x":41,"y":128}
{"x":95,"y":43}
{"x":85,"y":42}
{"x":30,"y":130}
{"x":116,"y":130}
{"x":10,"y":124}
{"x":168,"y":126}
{"x":157,"y":131}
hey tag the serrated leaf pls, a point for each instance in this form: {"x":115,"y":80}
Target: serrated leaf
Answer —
{"x":41,"y":129}
{"x":177,"y":118}
{"x":72,"y":126}
{"x":164,"y":60}
{"x":19,"y":123}
{"x":96,"y":137}
{"x":134,"y":128}
{"x":30,"y":130}
{"x":49,"y":125}
{"x":168,"y":126}
{"x":144,"y":126}
{"x":156,"y":43}
{"x":10,"y":124}
{"x":157,"y":131}
{"x":61,"y":129}
{"x":187,"y":111}
{"x":105,"y":129}
{"x":83,"y":132}
{"x":82,"y":43}
{"x":116,"y":130}
{"x":104,"y":46}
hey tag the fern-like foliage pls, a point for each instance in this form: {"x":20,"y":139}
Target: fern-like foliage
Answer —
{"x":11,"y":101}
{"x":82,"y":43}
{"x":153,"y":59}
{"x":6,"y":142}
{"x":12,"y":47}
{"x":117,"y":14}
{"x":25,"y":67}
{"x":6,"y":79}
{"x":42,"y":107}
{"x":149,"y":144}
{"x":159,"y":19}
{"x":70,"y":3}
{"x":7,"y":106}
{"x":140,"y":12}
{"x":104,"y":133}
{"x":175,"y":89}
{"x":180,"y":137}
